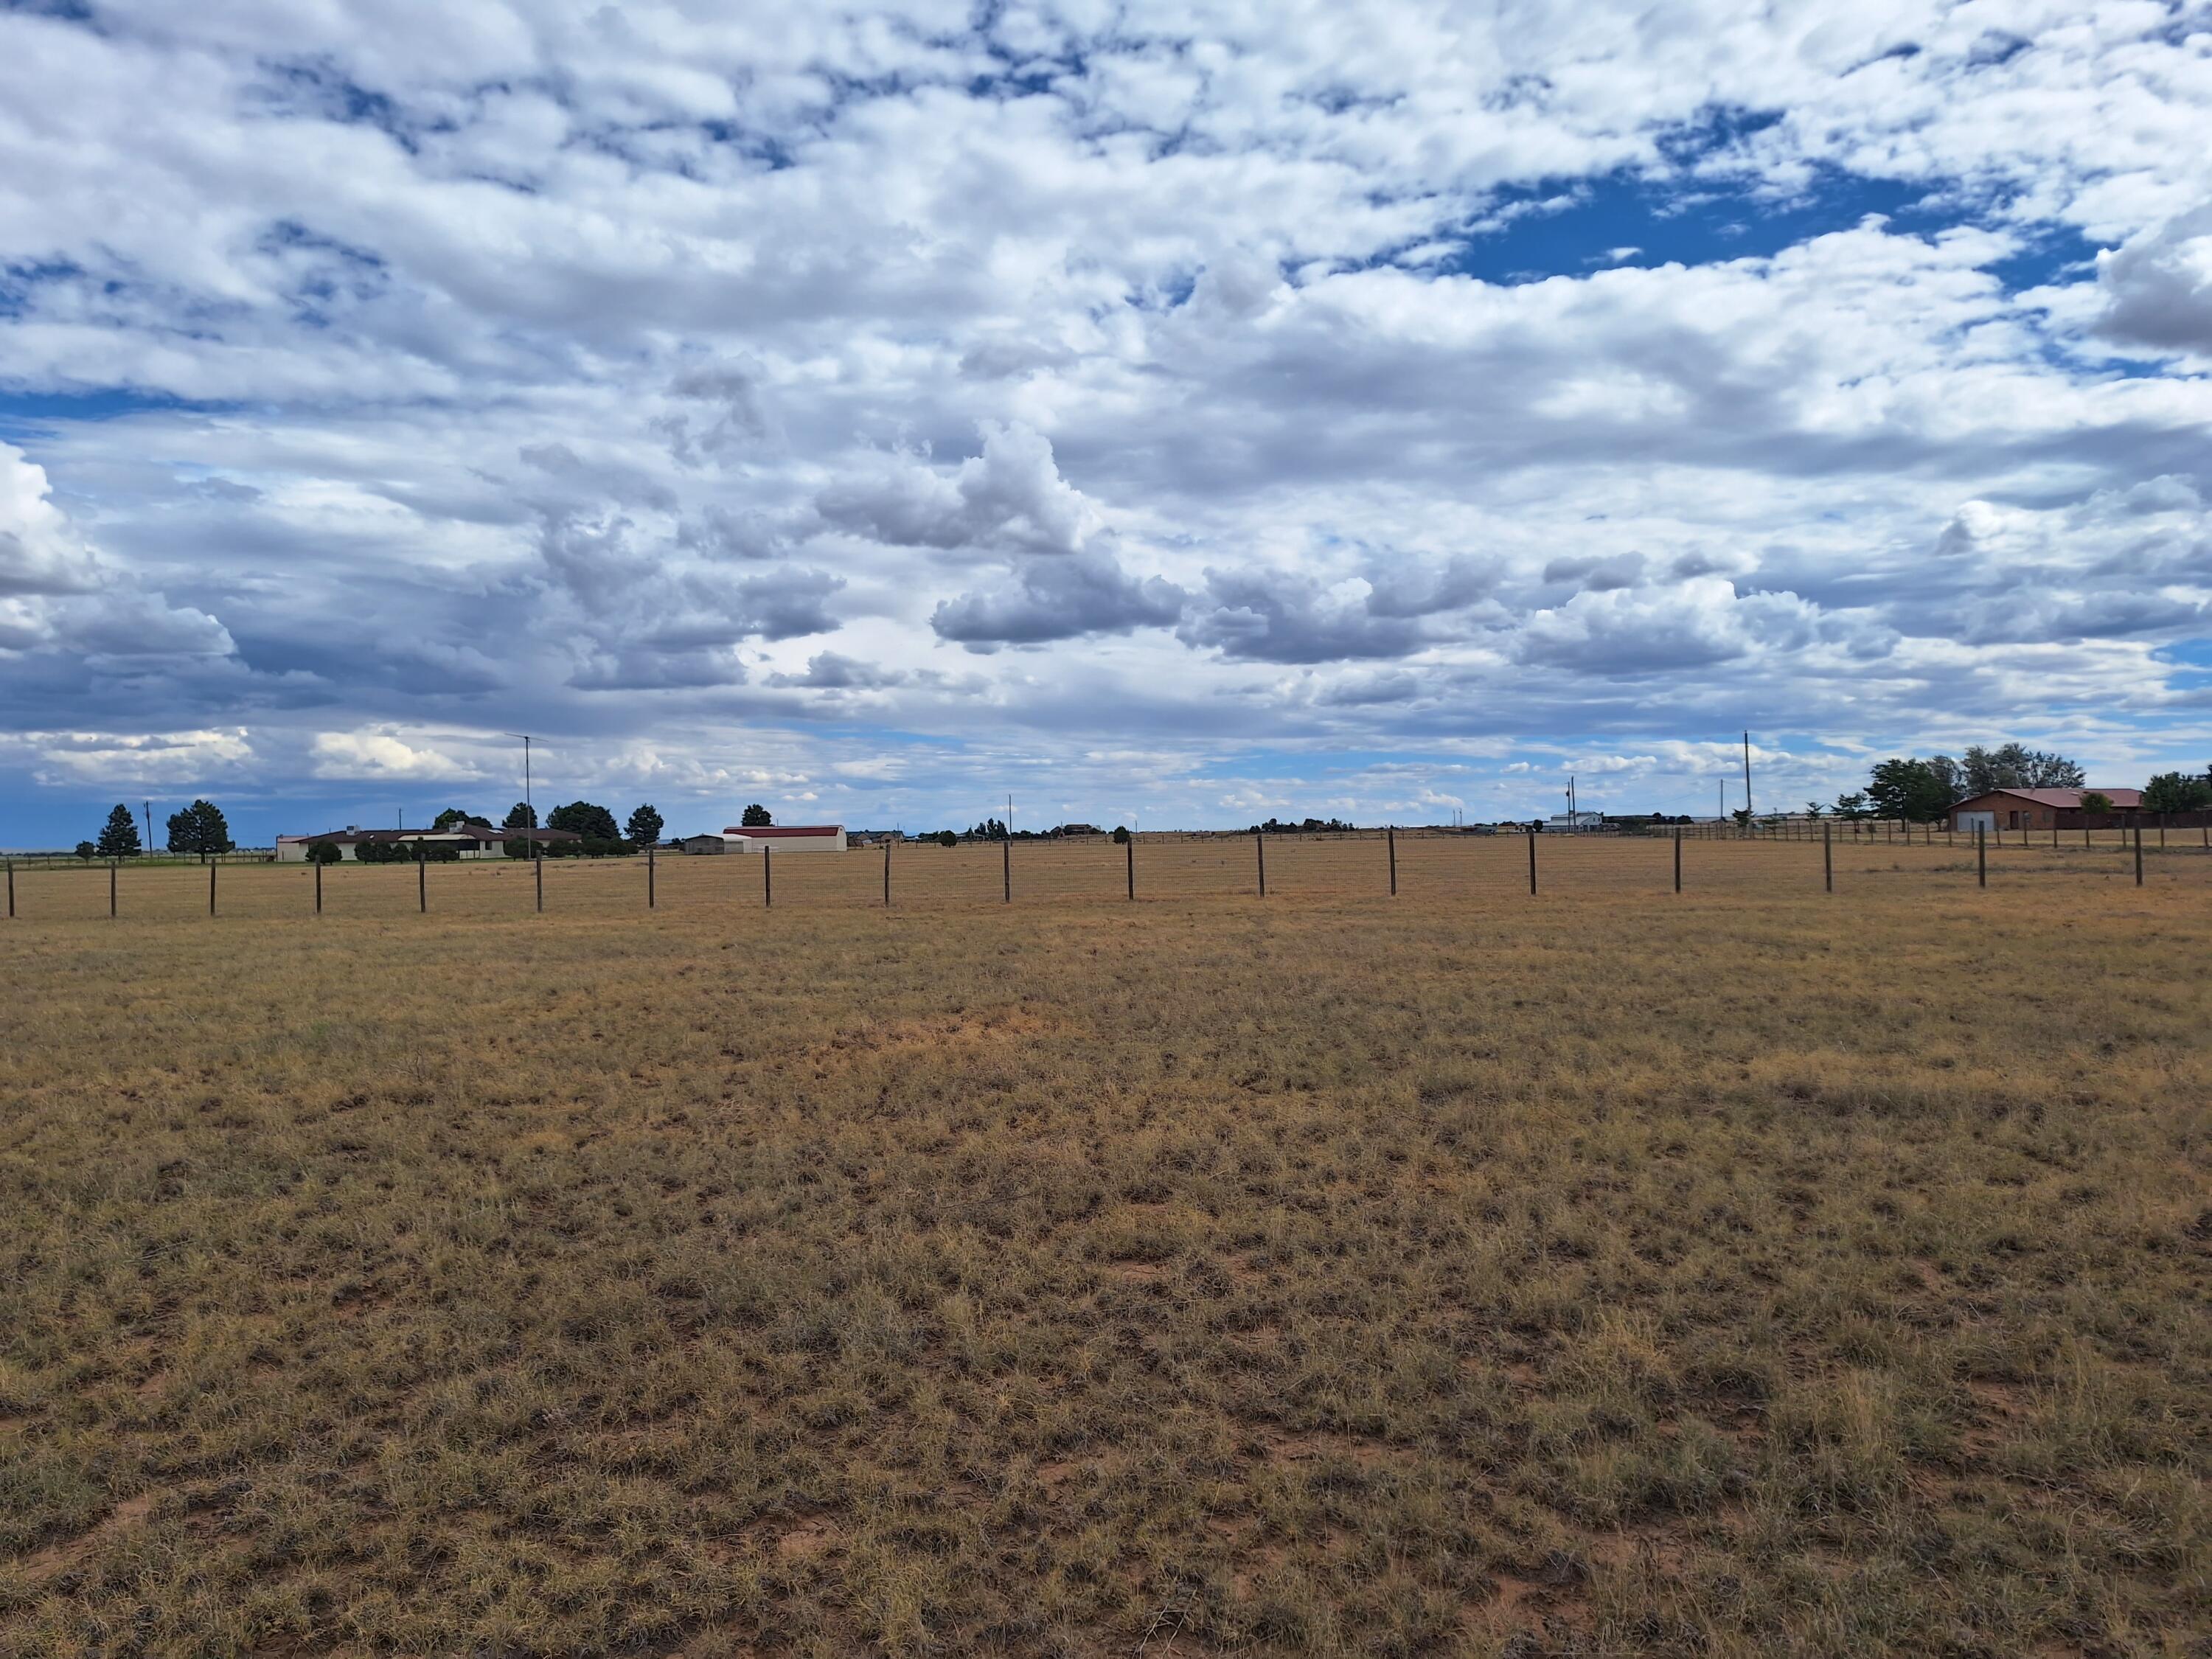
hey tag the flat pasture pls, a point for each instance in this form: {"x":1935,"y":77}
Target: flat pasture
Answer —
{"x":1752,"y":1271}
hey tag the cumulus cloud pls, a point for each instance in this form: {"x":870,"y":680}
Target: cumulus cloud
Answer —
{"x":1266,"y":615}
{"x":39,"y":552}
{"x":1058,"y":599}
{"x":379,"y":755}
{"x":2157,"y":286}
{"x":1413,"y":381}
{"x":1010,"y":496}
{"x":1701,"y":623}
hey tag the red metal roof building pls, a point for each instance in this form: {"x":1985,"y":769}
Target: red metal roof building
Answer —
{"x":2035,"y":809}
{"x":786,"y":837}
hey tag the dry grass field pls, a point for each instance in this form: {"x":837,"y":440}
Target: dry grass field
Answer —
{"x":1745,"y":1272}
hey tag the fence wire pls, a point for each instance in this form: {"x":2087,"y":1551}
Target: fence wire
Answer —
{"x":1430,"y":868}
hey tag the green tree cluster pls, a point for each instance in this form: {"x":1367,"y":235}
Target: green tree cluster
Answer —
{"x":754,"y":817}
{"x":118,"y":836}
{"x":2177,"y":792}
{"x":199,"y":828}
{"x":586,"y":818}
{"x":1923,"y":791}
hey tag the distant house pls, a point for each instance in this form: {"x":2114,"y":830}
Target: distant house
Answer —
{"x":785,"y":837}
{"x":2035,"y":809}
{"x":716,"y":843}
{"x":473,"y":840}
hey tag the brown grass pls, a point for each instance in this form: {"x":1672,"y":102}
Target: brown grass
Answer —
{"x":1748,"y":1272}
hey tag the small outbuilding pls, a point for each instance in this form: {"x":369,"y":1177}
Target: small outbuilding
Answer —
{"x":468,"y":840}
{"x":716,"y":843}
{"x":2035,"y":809}
{"x":785,"y":837}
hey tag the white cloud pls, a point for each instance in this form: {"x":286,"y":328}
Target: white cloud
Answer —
{"x":379,"y":755}
{"x":710,"y":383}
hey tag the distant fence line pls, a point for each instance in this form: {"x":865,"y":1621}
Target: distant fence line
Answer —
{"x":2195,"y":828}
{"x":1335,"y":864}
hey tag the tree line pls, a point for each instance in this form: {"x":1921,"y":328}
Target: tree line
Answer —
{"x":1923,"y":791}
{"x":201,"y":828}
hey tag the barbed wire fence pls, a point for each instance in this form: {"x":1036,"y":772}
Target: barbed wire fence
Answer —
{"x":1387,"y":863}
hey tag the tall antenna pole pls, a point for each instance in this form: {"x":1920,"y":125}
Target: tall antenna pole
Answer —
{"x":528,"y":810}
{"x":1747,"y":771}
{"x":150,"y":828}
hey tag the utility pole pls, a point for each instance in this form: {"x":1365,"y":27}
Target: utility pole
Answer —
{"x":530,"y":812}
{"x":150,"y":828}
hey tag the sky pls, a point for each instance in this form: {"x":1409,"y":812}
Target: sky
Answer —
{"x":1170,"y":414}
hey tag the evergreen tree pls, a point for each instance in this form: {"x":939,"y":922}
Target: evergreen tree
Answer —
{"x":2176,"y":792}
{"x":591,"y":821}
{"x":118,"y":837}
{"x":199,"y":828}
{"x":644,"y":825}
{"x":521,"y":815}
{"x":1908,"y":789}
{"x":755,"y":816}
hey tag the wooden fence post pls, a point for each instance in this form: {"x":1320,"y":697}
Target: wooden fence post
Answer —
{"x":1130,"y":857}
{"x":1390,"y":834}
{"x":651,"y":898}
{"x":768,"y":879}
{"x":1827,"y":859}
{"x":111,"y":889}
{"x":1532,"y":859}
{"x":1678,"y":858}
{"x":1259,"y":849}
{"x":318,"y":887}
{"x":422,"y":881}
{"x":887,"y":872}
{"x":1981,"y":856}
{"x":538,"y":870}
{"x":1006,"y":868}
{"x":11,"y":890}
{"x":211,"y":868}
{"x":2138,"y":851}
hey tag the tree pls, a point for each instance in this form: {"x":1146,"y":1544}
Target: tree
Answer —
{"x":2176,"y":792}
{"x":754,"y":817}
{"x":644,"y":825}
{"x":1851,"y":808}
{"x":2096,"y":801}
{"x":1908,"y":789}
{"x":118,"y":837}
{"x":87,"y":851}
{"x":453,"y":815}
{"x":2016,"y":766}
{"x":1951,"y":776}
{"x":989,"y":830}
{"x":521,"y":815}
{"x":946,"y":838}
{"x":1120,"y":834}
{"x":326,"y":852}
{"x":199,"y":828}
{"x":1814,"y":809}
{"x":586,"y":818}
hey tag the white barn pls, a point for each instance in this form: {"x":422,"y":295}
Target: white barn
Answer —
{"x":785,"y":837}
